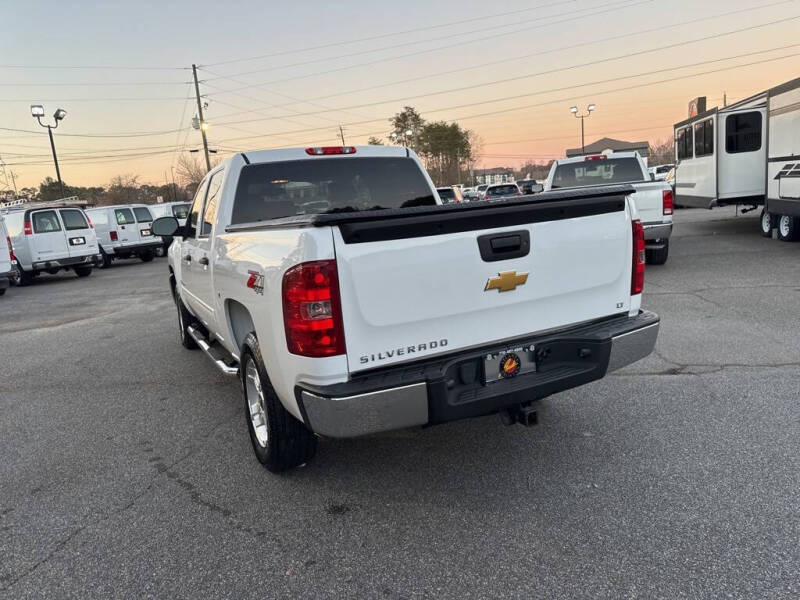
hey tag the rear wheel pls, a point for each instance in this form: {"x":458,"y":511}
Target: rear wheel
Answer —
{"x":2,"y":291}
{"x":657,"y":256}
{"x":146,"y":256}
{"x":280,"y":441}
{"x":20,"y":276}
{"x":788,"y":228}
{"x":83,"y":271}
{"x":767,"y":223}
{"x":106,"y":259}
{"x":185,"y":319}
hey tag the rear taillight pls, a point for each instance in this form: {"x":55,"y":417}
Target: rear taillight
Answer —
{"x":10,"y":249}
{"x":328,"y":150}
{"x":668,"y":202}
{"x":312,"y":311}
{"x":597,"y":157}
{"x":114,"y":236}
{"x":637,"y":269}
{"x":89,"y":221}
{"x":27,"y":229}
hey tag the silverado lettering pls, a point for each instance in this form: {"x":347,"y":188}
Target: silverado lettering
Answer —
{"x":402,"y":351}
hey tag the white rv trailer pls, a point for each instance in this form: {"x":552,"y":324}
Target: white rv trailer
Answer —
{"x":742,"y":154}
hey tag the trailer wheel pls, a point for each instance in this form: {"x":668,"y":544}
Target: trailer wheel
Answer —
{"x":657,"y":256}
{"x":768,"y":223}
{"x":788,"y":228}
{"x":280,"y":441}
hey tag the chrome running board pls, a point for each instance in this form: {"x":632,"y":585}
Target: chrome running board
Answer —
{"x":211,"y":352}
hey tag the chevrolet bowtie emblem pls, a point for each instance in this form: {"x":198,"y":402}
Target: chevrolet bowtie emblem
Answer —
{"x":506,"y":281}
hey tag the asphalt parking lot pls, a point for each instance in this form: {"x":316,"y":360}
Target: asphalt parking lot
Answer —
{"x":126,"y":469}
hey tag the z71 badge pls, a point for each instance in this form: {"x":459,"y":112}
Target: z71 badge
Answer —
{"x":256,"y":282}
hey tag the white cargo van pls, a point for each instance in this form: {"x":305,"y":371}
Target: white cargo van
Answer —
{"x":124,"y":231}
{"x":5,"y":258}
{"x":179,"y":210}
{"x":48,"y":238}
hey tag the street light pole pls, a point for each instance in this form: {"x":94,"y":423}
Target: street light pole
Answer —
{"x":55,"y":160}
{"x":37,"y":111}
{"x":574,"y":111}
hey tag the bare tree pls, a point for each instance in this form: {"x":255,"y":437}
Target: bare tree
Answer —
{"x":190,"y":171}
{"x":375,"y":141}
{"x":662,"y":152}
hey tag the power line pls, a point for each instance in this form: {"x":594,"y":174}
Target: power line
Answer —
{"x":537,"y":25}
{"x":93,"y":83}
{"x":548,"y":72}
{"x":560,"y":100}
{"x":135,"y":99}
{"x":626,"y":35}
{"x":99,"y":67}
{"x":96,"y":135}
{"x":382,"y":36}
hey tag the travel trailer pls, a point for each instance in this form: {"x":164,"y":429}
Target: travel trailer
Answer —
{"x":747,"y":153}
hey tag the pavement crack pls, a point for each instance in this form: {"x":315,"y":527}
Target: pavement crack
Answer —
{"x":56,"y":549}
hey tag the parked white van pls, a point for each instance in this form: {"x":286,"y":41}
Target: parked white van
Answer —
{"x":124,"y":231}
{"x":5,"y":258}
{"x":48,"y":238}
{"x":179,"y":210}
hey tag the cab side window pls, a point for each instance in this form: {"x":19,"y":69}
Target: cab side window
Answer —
{"x":212,"y":203}
{"x":45,"y":221}
{"x":194,"y":211}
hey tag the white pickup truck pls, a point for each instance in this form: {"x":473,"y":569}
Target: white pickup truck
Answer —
{"x":349,"y":301}
{"x":653,"y":199}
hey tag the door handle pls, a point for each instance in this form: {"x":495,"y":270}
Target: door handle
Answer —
{"x":512,"y":244}
{"x":188,"y":258}
{"x":203,"y":261}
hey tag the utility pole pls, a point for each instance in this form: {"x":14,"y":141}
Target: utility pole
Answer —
{"x":174,"y":189}
{"x":200,"y":114}
{"x":341,"y":133}
{"x":724,"y":99}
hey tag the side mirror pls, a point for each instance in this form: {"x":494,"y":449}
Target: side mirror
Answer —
{"x":165,"y":226}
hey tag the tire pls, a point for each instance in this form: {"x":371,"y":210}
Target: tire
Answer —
{"x":21,"y":277}
{"x":147,"y":256}
{"x":106,"y":261}
{"x":788,"y":228}
{"x":657,"y":256}
{"x":185,"y":319}
{"x":280,"y":441}
{"x":2,"y":291}
{"x":768,"y":223}
{"x":83,"y":271}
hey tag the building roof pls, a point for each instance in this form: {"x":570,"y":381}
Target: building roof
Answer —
{"x":494,"y":171}
{"x":610,"y":144}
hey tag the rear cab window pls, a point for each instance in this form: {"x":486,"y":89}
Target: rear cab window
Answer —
{"x":143,"y":214}
{"x":502,"y":190}
{"x":45,"y":221}
{"x":73,"y":219}
{"x":328,"y":185}
{"x":446,"y":194}
{"x":597,"y":172}
{"x":124,"y":216}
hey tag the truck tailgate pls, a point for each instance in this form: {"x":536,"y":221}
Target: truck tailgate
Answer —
{"x":649,"y":201}
{"x":409,"y":294}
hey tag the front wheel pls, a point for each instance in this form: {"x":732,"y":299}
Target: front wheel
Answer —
{"x":83,"y":271}
{"x":185,"y":319}
{"x":767,"y":223}
{"x":657,"y":256}
{"x":106,"y":259}
{"x":788,"y":228}
{"x":280,"y":441}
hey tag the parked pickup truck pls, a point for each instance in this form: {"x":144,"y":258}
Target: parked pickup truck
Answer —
{"x":653,"y":199}
{"x":349,"y":301}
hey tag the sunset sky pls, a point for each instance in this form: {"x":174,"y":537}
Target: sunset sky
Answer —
{"x":288,"y":74}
